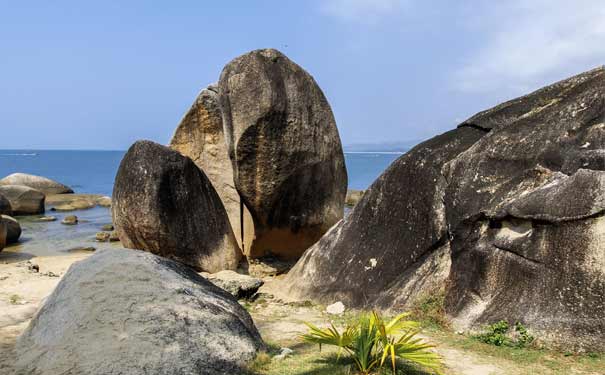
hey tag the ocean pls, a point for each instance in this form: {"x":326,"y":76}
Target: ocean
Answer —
{"x":93,"y":172}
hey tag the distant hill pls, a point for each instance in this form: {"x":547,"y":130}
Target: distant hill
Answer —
{"x":400,"y":146}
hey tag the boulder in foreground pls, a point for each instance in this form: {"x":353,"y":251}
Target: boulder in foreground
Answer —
{"x":163,"y":203}
{"x":130,"y":312}
{"x":42,"y":184}
{"x":23,"y":200}
{"x":287,"y":157}
{"x":5,"y":206}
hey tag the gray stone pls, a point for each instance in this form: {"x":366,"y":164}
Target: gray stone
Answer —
{"x":70,"y":220}
{"x":200,"y":137}
{"x":13,"y":229}
{"x":42,"y":184}
{"x":107,"y":227}
{"x":102,"y":236}
{"x":287,"y":157}
{"x":240,"y":286}
{"x":130,"y":312}
{"x":23,"y":200}
{"x":164,"y":204}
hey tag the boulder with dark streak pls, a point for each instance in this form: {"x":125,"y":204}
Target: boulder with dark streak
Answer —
{"x":163,"y":203}
{"x":287,"y":157}
{"x":507,"y":213}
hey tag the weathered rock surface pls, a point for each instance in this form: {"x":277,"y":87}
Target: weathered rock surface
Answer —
{"x":131,"y":312}
{"x":70,"y":220}
{"x":393,"y":245}
{"x":23,"y":200}
{"x":200,"y":137}
{"x":3,"y":233}
{"x":5,"y":206}
{"x":509,"y":208}
{"x":284,"y":145}
{"x":42,"y":184}
{"x":13,"y":229}
{"x":240,"y":286}
{"x":353,"y":197}
{"x":164,"y":204}
{"x":73,"y":202}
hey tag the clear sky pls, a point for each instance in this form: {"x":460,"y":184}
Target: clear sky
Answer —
{"x":102,"y":74}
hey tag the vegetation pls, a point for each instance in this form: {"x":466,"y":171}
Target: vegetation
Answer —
{"x":429,"y":310}
{"x":370,"y":342}
{"x":500,"y":334}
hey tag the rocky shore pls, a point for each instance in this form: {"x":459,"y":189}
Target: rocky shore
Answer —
{"x":503,"y":215}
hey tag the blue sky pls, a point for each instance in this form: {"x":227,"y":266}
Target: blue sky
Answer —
{"x":100,"y":75}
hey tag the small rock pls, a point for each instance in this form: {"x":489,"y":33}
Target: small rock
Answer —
{"x":44,"y":219}
{"x":102,"y":236}
{"x":82,"y":249}
{"x":113,"y":237}
{"x":49,"y":274}
{"x":240,"y":286}
{"x":33,"y":267}
{"x":70,"y":220}
{"x":107,"y":228}
{"x":283,"y":353}
{"x":337,"y":308}
{"x":268,"y":267}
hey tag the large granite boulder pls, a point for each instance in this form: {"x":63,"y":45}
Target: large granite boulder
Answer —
{"x":23,"y":200}
{"x":394,"y":245}
{"x":505,"y":213}
{"x":131,"y":312}
{"x":164,"y":204}
{"x":200,"y":137}
{"x":13,"y":229}
{"x":5,"y":206}
{"x":287,"y":157}
{"x":43,"y":184}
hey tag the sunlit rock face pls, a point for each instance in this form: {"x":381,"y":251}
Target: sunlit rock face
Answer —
{"x":287,"y":157}
{"x":506,"y":213}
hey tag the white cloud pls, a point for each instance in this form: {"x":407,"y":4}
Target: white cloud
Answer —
{"x":361,"y":10}
{"x":530,"y":43}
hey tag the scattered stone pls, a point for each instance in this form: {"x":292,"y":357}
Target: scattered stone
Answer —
{"x":107,"y":228}
{"x":73,"y":202}
{"x":283,"y":142}
{"x":337,"y":308}
{"x":131,"y":312}
{"x":33,"y":267}
{"x":45,"y":219}
{"x":102,"y":236}
{"x":113,"y":237}
{"x":240,"y":286}
{"x":42,"y":184}
{"x":23,"y":200}
{"x":70,"y":220}
{"x":86,"y":249}
{"x":268,"y":266}
{"x":283,"y":353}
{"x":13,"y":229}
{"x":164,"y":204}
{"x":49,"y":274}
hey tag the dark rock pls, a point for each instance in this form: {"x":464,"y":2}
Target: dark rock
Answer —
{"x":200,"y":137}
{"x":107,"y":228}
{"x":23,"y":200}
{"x":164,"y":204}
{"x":240,"y":286}
{"x":13,"y":229}
{"x":82,"y":249}
{"x":70,"y":220}
{"x":393,"y":245}
{"x":513,"y":198}
{"x":131,"y":312}
{"x":3,"y":233}
{"x":284,"y":145}
{"x":42,"y":184}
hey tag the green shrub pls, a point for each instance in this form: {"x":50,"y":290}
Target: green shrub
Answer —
{"x":370,"y":342}
{"x":499,"y":334}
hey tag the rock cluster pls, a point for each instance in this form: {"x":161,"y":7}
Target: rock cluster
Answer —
{"x":267,"y":144}
{"x":131,"y":312}
{"x":506,"y":212}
